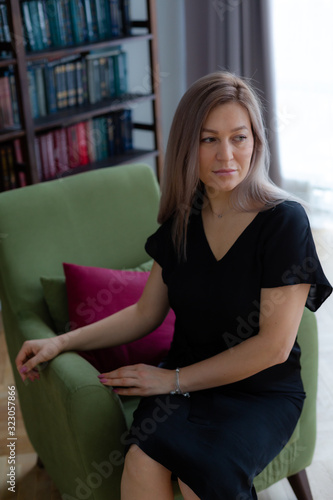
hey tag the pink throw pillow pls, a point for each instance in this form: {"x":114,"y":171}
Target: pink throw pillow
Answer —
{"x":94,"y":293}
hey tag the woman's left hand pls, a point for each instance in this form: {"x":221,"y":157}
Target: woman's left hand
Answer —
{"x":139,"y":380}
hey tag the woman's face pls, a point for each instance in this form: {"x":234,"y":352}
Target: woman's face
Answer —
{"x":226,"y":147}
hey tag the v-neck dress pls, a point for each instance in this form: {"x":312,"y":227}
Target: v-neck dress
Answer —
{"x":218,"y":439}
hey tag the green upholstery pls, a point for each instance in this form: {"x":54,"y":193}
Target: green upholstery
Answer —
{"x":76,"y":425}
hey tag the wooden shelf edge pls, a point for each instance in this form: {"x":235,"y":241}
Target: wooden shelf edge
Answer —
{"x":11,"y":134}
{"x":81,"y":113}
{"x":59,"y":52}
{"x":133,"y":156}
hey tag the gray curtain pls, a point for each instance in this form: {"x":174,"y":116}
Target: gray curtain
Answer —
{"x":235,"y":35}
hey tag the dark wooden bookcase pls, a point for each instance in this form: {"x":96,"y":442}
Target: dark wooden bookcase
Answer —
{"x":30,"y":127}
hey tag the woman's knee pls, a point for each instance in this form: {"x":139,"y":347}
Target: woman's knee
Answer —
{"x":139,"y":465}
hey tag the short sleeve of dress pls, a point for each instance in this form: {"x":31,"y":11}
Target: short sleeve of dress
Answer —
{"x":290,"y":256}
{"x":159,"y":245}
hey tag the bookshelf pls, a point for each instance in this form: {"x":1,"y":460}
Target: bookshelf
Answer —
{"x":43,"y":127}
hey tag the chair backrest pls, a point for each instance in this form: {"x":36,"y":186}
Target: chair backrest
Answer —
{"x":100,"y":218}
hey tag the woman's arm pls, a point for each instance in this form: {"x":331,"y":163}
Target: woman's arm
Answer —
{"x":278,"y":328}
{"x":122,"y":327}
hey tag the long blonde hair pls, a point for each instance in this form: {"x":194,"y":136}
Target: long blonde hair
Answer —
{"x":182,"y":190}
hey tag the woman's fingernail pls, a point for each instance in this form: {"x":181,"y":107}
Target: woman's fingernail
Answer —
{"x":103,"y":380}
{"x":23,"y":369}
{"x":100,"y":376}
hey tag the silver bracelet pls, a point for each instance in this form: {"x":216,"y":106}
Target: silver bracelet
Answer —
{"x":178,"y":389}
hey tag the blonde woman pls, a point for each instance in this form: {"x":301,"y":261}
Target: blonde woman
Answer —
{"x":235,"y":259}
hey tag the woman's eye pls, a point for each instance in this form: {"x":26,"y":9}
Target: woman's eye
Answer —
{"x":240,"y":138}
{"x":208,"y":140}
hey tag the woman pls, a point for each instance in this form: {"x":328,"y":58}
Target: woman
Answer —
{"x":235,"y":259}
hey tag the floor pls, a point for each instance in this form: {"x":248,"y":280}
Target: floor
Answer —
{"x":34,"y":483}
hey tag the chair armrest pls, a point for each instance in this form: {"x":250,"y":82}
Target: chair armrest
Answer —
{"x":76,"y":425}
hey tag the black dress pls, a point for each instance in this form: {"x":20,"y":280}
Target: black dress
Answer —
{"x":217,"y":440}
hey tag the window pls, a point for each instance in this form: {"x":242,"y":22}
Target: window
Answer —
{"x":303,"y":55}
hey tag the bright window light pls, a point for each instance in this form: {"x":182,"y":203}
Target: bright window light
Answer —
{"x":303,"y":60}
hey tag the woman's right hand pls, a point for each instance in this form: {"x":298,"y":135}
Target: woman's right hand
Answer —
{"x":34,"y":352}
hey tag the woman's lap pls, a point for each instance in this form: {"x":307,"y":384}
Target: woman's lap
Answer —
{"x":213,"y":441}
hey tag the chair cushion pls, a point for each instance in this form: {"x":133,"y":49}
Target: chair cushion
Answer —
{"x":95,"y":293}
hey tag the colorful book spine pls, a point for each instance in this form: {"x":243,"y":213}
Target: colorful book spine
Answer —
{"x":125,"y":17}
{"x":28,"y":27}
{"x":115,"y":18}
{"x":78,"y":21}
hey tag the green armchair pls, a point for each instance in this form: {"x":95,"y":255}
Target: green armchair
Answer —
{"x":76,"y":425}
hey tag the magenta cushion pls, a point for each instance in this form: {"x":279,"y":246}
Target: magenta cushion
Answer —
{"x":94,"y":293}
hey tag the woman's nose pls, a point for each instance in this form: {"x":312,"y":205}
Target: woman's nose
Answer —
{"x":224,"y":151}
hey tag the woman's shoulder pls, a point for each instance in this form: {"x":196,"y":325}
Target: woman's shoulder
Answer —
{"x":288,"y":211}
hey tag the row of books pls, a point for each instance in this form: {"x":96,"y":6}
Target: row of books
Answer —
{"x":4,"y":27}
{"x":11,"y":174}
{"x":83,"y":143}
{"x":76,"y":80}
{"x":9,"y":109}
{"x":59,"y":23}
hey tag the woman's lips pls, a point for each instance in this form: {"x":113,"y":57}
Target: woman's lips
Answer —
{"x":224,"y":171}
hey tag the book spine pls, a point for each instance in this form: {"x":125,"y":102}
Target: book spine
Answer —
{"x":43,"y":24}
{"x":82,"y":143}
{"x":125,"y":17}
{"x":7,"y":118}
{"x":50,"y":87}
{"x":79,"y":83}
{"x":120,"y":71}
{"x":115,"y":18}
{"x":89,"y":20}
{"x":103,"y":78}
{"x":38,"y":158}
{"x":72,"y":149}
{"x":47,"y":24}
{"x":36,"y":27}
{"x":11,"y":166}
{"x":60,"y":151}
{"x":45,"y":170}
{"x":5,"y":26}
{"x":51,"y":10}
{"x":100,"y":19}
{"x":15,"y":106}
{"x":27,"y":25}
{"x":71,"y":84}
{"x":68,"y":35}
{"x":91,"y":146}
{"x":40,"y":90}
{"x":50,"y":153}
{"x":32,"y":91}
{"x":110,"y":127}
{"x":61,"y":23}
{"x":78,"y":20}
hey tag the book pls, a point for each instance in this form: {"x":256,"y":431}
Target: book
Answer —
{"x":78,"y":21}
{"x":50,"y":87}
{"x":115,"y":18}
{"x":40,"y":90}
{"x":82,"y":144}
{"x":44,"y":25}
{"x":35,"y":24}
{"x":60,"y":150}
{"x":27,"y":27}
{"x":125,"y":17}
{"x":6,"y":110}
{"x":51,"y":9}
{"x":120,"y":72}
{"x":89,"y":21}
{"x":72,"y":147}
